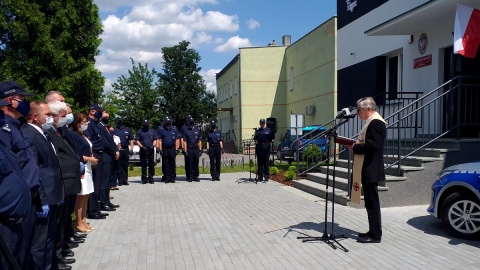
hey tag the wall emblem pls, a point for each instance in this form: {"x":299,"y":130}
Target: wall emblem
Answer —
{"x":351,"y":4}
{"x":422,"y":43}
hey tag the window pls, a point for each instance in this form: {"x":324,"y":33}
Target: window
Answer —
{"x":394,"y":75}
{"x":291,"y":78}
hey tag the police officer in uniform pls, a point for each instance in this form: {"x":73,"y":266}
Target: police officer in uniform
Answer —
{"x":146,"y":140}
{"x":14,"y":140}
{"x":184,"y":151}
{"x":168,"y":145}
{"x":263,"y":136}
{"x":126,"y":150}
{"x":192,"y":146}
{"x":15,"y":199}
{"x":214,"y":150}
{"x":94,"y":134}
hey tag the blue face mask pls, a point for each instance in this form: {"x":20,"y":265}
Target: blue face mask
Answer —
{"x":48,"y":123}
{"x":23,"y":107}
{"x":98,"y":115}
{"x":69,"y":118}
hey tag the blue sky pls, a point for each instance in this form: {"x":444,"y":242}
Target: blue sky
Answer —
{"x":215,"y":28}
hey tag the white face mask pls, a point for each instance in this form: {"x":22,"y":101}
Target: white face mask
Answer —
{"x":62,"y":121}
{"x":48,"y":123}
{"x":83,"y":127}
{"x":69,"y":118}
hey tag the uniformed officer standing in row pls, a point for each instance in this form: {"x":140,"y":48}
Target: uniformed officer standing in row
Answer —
{"x":146,"y":140}
{"x":263,"y":137}
{"x":126,"y":143}
{"x":214,"y":150}
{"x":192,"y":146}
{"x":168,"y":145}
{"x":15,"y":200}
{"x":184,"y":151}
{"x":14,"y":141}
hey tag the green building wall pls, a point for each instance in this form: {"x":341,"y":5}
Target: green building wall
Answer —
{"x":257,"y":84}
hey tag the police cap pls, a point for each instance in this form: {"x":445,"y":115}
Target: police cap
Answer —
{"x":167,"y":120}
{"x":145,"y":122}
{"x":191,"y":121}
{"x":96,"y":107}
{"x":11,"y":88}
{"x":262,"y":121}
{"x":3,"y":102}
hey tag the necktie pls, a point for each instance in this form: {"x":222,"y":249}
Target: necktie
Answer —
{"x":46,"y":136}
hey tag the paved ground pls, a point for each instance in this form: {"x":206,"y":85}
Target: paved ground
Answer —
{"x":237,"y":224}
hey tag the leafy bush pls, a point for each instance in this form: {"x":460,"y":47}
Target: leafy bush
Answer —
{"x":312,"y":152}
{"x":290,"y":175}
{"x":292,"y":169}
{"x":274,"y":170}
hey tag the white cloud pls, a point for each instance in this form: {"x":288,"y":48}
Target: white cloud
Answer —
{"x":210,"y":79}
{"x":233,"y":44}
{"x":252,"y":24}
{"x":139,"y":29}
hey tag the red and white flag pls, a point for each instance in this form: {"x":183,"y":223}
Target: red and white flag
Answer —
{"x":466,"y":35}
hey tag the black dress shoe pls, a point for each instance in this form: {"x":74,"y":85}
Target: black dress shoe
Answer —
{"x":67,"y":261}
{"x":107,"y":208}
{"x":368,"y":239}
{"x":72,"y":245}
{"x":126,"y":183}
{"x":104,"y":214}
{"x":68,"y":253}
{"x":97,"y":216}
{"x":113,"y":205}
{"x":79,"y":235}
{"x":362,"y":235}
{"x":75,"y":241}
{"x":64,"y":267}
{"x":189,"y":180}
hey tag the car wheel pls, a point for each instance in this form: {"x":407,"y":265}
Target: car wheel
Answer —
{"x":461,"y":214}
{"x":279,"y":155}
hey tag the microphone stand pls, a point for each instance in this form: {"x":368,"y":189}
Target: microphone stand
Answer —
{"x":249,"y":163}
{"x":331,"y":239}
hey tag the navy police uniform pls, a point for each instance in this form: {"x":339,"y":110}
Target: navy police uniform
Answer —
{"x":168,"y":137}
{"x":214,"y":140}
{"x":14,"y":141}
{"x":146,"y":138}
{"x":263,"y":136}
{"x":126,"y":137}
{"x":95,"y":136}
{"x":191,"y":141}
{"x":15,"y":199}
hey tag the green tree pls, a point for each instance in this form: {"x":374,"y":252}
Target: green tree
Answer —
{"x":51,"y":45}
{"x":138,"y":96}
{"x":182,"y":88}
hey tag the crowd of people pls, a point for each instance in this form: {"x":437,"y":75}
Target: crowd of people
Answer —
{"x":55,"y":163}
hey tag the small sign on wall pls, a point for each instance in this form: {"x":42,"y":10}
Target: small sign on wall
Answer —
{"x":422,"y":61}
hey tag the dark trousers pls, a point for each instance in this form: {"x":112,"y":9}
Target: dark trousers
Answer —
{"x":193,"y":157}
{"x":262,"y":150}
{"x":372,"y":204}
{"x":12,"y":235}
{"x":43,"y":243}
{"x":188,"y":174}
{"x":28,"y":226}
{"x":60,"y":232}
{"x":94,"y":198}
{"x":122,"y":170}
{"x":168,"y":163}
{"x":146,"y":160}
{"x":18,"y":238}
{"x":215,"y":155}
{"x":70,"y":201}
{"x":106,"y":176}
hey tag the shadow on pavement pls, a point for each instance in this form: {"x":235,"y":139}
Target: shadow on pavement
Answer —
{"x":433,"y":226}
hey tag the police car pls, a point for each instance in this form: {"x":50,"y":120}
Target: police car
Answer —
{"x":456,"y":199}
{"x":135,"y":158}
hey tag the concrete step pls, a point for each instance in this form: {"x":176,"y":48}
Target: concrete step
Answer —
{"x":341,"y":170}
{"x":419,"y":141}
{"x":340,"y":183}
{"x":320,"y":190}
{"x":424,"y":152}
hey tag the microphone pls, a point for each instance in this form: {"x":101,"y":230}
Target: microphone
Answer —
{"x":345,"y":113}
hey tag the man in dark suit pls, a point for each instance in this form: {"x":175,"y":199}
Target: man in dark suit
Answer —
{"x":368,"y":150}
{"x":51,"y":188}
{"x":70,"y":166}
